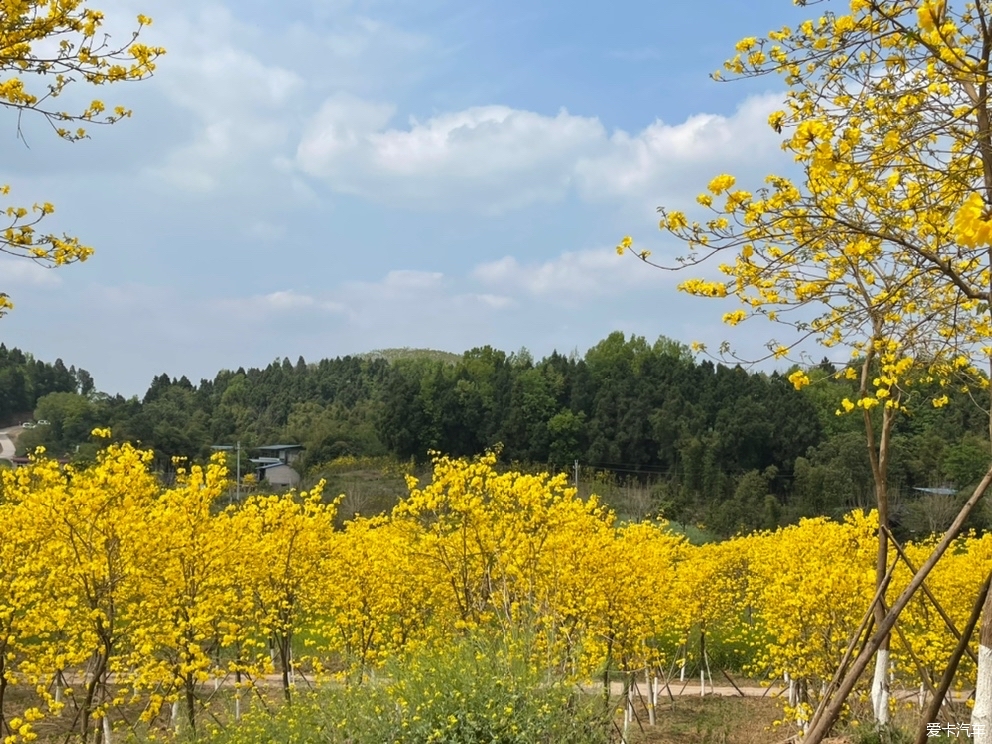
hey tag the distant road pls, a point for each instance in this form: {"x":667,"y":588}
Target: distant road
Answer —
{"x":6,"y":443}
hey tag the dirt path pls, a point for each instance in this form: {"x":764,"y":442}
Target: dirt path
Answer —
{"x":6,"y":443}
{"x":691,"y":689}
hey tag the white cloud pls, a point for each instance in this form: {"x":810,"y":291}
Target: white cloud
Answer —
{"x":408,"y":279}
{"x":23,"y":272}
{"x":663,"y":159}
{"x":280,"y":301}
{"x":495,"y":301}
{"x":571,"y":275}
{"x":239,"y":103}
{"x":495,"y":158}
{"x":492,"y":157}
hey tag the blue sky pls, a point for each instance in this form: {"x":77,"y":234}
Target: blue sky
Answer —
{"x":325,"y":177}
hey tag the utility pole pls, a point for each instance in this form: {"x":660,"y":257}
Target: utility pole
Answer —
{"x":237,"y":451}
{"x":237,"y":487}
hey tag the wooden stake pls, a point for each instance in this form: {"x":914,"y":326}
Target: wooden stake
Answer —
{"x":821,"y":725}
{"x":926,"y":590}
{"x":952,"y":664}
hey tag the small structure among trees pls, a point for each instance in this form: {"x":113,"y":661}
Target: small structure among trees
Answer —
{"x":274,"y":466}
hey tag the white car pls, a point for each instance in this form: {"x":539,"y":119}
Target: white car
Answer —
{"x":28,"y":424}
{"x":44,"y":422}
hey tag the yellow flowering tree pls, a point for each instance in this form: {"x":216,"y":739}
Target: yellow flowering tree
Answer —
{"x":48,"y":45}
{"x":193,"y":605}
{"x":22,"y":585}
{"x":955,"y":581}
{"x":710,"y":591}
{"x":631,"y":607}
{"x":90,"y":524}
{"x":288,"y":539}
{"x":887,"y":233}
{"x":380,"y":594}
{"x":882,"y":305}
{"x":811,"y":584}
{"x":501,"y":547}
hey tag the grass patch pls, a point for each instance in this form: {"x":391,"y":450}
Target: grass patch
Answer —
{"x":711,"y":720}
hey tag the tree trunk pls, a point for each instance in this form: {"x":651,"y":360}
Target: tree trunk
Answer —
{"x":191,"y":702}
{"x":283,"y":642}
{"x":880,"y":685}
{"x":3,"y":691}
{"x":879,"y":460}
{"x":981,"y":714}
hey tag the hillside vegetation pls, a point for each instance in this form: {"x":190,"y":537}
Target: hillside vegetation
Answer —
{"x":699,"y":442}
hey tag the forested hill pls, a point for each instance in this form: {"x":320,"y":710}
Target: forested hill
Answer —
{"x":739,"y":449}
{"x":24,"y":380}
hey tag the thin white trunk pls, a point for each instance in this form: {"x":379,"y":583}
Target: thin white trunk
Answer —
{"x":108,"y":734}
{"x":706,"y":660}
{"x":981,"y":714}
{"x":237,"y":705}
{"x":652,"y":696}
{"x":631,"y":691}
{"x":627,"y":713}
{"x":880,"y":688}
{"x":175,"y":715}
{"x":923,"y":696}
{"x":702,"y":681}
{"x":804,"y":721}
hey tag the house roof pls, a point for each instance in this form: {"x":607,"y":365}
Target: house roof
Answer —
{"x":270,"y":465}
{"x":938,"y":491}
{"x":265,"y":460}
{"x":279,"y":447}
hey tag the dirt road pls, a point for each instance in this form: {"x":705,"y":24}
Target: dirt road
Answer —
{"x":6,"y":443}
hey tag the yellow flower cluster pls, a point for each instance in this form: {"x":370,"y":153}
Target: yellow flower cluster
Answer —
{"x":799,"y":379}
{"x":47,"y":46}
{"x":973,"y":223}
{"x":721,"y":184}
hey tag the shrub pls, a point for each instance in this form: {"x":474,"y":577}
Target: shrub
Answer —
{"x":471,"y":692}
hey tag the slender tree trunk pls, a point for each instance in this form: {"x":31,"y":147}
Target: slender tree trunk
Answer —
{"x":702,"y":668}
{"x":880,"y":681}
{"x":237,"y":688}
{"x":191,"y":703}
{"x":981,"y":714}
{"x":283,"y":642}
{"x":878,"y":455}
{"x":108,"y":732}
{"x":652,"y":682}
{"x":3,"y":692}
{"x":606,"y":676}
{"x":91,"y":689}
